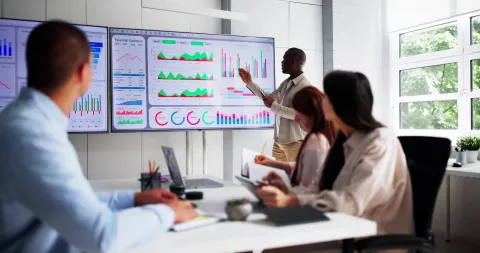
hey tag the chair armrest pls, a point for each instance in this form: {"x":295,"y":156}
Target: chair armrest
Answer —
{"x":391,"y":242}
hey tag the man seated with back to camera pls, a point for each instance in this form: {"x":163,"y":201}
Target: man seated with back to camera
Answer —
{"x":46,"y":204}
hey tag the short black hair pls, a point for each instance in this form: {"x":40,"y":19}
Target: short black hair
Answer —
{"x":54,"y":50}
{"x":298,"y":55}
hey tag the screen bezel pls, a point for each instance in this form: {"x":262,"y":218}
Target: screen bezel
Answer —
{"x":107,"y":70}
{"x":115,"y":130}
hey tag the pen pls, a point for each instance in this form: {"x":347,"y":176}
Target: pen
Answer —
{"x":263,"y":149}
{"x":152,"y":176}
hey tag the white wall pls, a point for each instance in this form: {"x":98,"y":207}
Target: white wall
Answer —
{"x":124,"y":155}
{"x":464,"y":192}
{"x":420,"y":12}
{"x":358,"y":46}
{"x":292,"y":24}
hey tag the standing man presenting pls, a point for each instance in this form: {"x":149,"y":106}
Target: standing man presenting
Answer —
{"x":288,"y":134}
{"x":46,"y":204}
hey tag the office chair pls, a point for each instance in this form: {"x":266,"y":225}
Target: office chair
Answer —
{"x":427,"y":159}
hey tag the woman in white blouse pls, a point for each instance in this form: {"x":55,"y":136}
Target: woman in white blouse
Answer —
{"x":365,"y":173}
{"x":306,"y":171}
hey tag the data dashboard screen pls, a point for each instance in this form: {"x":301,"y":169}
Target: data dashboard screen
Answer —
{"x":89,"y":113}
{"x":184,"y":81}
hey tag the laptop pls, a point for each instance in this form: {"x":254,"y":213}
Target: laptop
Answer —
{"x":177,"y":178}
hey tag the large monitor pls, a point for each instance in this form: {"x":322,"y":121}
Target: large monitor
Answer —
{"x":89,"y":114}
{"x":186,"y":81}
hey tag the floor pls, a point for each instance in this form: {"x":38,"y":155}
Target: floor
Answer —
{"x":455,"y":246}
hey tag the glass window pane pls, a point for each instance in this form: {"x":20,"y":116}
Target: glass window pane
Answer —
{"x":476,"y":113}
{"x":476,"y":30}
{"x":429,"y":115}
{"x":429,"y":40}
{"x":475,"y":66}
{"x":438,"y":79}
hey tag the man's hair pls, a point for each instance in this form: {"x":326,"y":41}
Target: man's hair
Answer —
{"x":54,"y":50}
{"x":298,"y":55}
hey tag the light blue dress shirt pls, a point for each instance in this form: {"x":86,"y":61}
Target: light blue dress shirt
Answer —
{"x":46,"y":204}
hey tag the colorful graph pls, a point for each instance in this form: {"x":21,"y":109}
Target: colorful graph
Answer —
{"x":187,"y":57}
{"x":132,"y":102}
{"x":198,"y":93}
{"x":128,"y":57}
{"x":4,"y":85}
{"x":127,"y":112}
{"x":232,"y":93}
{"x":96,"y":48}
{"x":130,"y":122}
{"x":171,"y":76}
{"x":7,"y":48}
{"x":260,"y":118}
{"x":254,"y":67}
{"x":241,"y":93}
{"x":88,"y":104}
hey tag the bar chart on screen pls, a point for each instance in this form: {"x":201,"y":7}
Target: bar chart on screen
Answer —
{"x":87,"y":113}
{"x":98,"y":49}
{"x":256,"y":66}
{"x":227,"y":116}
{"x":7,"y":45}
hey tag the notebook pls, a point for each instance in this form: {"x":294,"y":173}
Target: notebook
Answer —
{"x":201,"y":221}
{"x":294,"y":215}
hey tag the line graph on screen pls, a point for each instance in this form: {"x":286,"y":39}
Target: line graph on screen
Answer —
{"x":128,"y":57}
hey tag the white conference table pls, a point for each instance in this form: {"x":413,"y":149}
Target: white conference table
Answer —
{"x":254,"y":235}
{"x":469,"y":170}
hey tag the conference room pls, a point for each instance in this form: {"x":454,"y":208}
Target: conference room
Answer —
{"x":179,"y":100}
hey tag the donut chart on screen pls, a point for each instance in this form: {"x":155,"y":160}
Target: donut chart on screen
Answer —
{"x":89,"y":113}
{"x":184,"y":81}
{"x":217,"y":117}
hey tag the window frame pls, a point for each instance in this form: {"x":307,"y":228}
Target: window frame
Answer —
{"x":462,"y":55}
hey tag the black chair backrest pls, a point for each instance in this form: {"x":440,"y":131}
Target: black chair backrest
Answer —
{"x":427,"y":159}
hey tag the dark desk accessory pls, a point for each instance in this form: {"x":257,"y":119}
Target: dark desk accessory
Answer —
{"x":194,"y":195}
{"x":150,"y":181}
{"x":238,"y":209}
{"x":294,"y":215}
{"x":457,"y":165}
{"x":178,"y":190}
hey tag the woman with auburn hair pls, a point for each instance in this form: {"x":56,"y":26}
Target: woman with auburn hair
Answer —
{"x":305,"y":172}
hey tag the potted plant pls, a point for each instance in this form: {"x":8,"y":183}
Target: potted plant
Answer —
{"x":471,"y":145}
{"x":238,"y":209}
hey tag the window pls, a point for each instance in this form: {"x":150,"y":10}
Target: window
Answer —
{"x":429,"y":40}
{"x":475,"y":67}
{"x":438,"y":79}
{"x":475,"y":30}
{"x":429,"y":115}
{"x":436,"y":71}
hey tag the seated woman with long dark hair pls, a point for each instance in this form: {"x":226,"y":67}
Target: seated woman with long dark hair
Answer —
{"x":305,"y":172}
{"x":365,"y":173}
